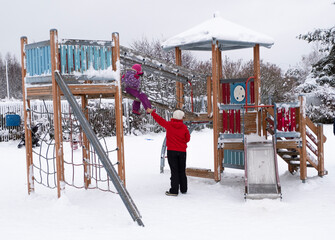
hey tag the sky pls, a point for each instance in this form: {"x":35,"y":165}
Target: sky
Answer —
{"x":283,"y":20}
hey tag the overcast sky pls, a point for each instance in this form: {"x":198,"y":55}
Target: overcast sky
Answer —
{"x":283,"y":20}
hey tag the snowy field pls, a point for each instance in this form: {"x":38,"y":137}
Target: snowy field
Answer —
{"x":208,"y":211}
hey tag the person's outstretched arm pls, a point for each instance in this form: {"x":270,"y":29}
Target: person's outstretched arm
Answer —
{"x":161,"y":121}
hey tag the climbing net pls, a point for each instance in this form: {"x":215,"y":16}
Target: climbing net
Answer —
{"x":75,"y":166}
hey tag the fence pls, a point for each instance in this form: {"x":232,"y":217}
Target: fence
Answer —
{"x":10,"y":132}
{"x":101,"y":113}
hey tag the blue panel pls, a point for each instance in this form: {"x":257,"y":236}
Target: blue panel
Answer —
{"x":96,"y":58}
{"x":43,"y":57}
{"x":239,"y":88}
{"x":28,"y":62}
{"x":233,"y":158}
{"x":45,"y":53}
{"x":109,"y":57}
{"x":49,"y":59}
{"x":13,"y":120}
{"x":70,"y":58}
{"x":239,"y":99}
{"x":39,"y":59}
{"x":83,"y":58}
{"x":42,"y":60}
{"x":33,"y":62}
{"x":91,"y":57}
{"x":63,"y":59}
{"x":103,"y":58}
{"x":77,"y":58}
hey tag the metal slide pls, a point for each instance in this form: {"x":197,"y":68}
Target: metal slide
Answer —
{"x":261,"y":169}
{"x":128,"y":202}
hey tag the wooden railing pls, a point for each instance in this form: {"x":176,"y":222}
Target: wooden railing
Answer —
{"x":293,"y":122}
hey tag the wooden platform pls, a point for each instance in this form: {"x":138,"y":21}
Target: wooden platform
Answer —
{"x":91,"y":90}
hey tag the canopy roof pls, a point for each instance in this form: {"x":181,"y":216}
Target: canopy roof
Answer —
{"x":229,"y":35}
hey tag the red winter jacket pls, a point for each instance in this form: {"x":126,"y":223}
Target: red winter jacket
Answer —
{"x":177,"y":134}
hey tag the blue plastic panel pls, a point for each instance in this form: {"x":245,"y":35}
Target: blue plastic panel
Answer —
{"x":239,"y":99}
{"x":233,"y":159}
{"x":13,"y":120}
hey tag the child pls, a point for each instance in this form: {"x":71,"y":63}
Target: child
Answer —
{"x":131,"y":80}
{"x":177,"y":137}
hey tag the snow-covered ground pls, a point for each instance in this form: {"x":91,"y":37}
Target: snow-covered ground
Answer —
{"x":209,"y":210}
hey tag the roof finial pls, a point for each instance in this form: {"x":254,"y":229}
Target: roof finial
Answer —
{"x":216,"y":14}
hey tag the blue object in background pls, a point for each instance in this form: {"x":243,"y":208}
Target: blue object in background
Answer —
{"x":13,"y":120}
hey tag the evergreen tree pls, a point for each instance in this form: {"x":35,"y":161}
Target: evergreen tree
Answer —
{"x":319,"y":86}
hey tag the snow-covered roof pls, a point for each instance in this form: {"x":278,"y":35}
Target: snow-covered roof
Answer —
{"x":229,"y":35}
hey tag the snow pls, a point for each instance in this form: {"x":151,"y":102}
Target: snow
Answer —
{"x":219,"y":29}
{"x":209,"y":209}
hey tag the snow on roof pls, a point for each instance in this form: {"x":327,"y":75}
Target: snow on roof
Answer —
{"x":229,"y":35}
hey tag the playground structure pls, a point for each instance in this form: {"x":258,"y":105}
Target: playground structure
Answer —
{"x":84,"y":69}
{"x":88,"y":69}
{"x":45,"y":65}
{"x":237,"y":113}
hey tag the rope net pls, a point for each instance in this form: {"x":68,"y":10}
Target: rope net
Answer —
{"x":76,"y":168}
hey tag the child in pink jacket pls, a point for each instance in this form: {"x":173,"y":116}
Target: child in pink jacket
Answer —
{"x":131,"y":81}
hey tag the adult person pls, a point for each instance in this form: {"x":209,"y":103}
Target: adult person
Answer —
{"x":177,"y":137}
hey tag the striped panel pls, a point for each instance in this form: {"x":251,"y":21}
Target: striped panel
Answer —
{"x":233,"y":158}
{"x":38,"y":61}
{"x":83,"y":58}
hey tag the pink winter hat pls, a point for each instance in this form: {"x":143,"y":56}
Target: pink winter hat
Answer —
{"x":138,"y":69}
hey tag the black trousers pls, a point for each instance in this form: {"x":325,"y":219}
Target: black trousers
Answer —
{"x":177,"y":163}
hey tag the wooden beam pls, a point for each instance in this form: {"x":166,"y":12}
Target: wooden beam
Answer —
{"x":215,"y":79}
{"x":179,"y":85}
{"x":27,"y":123}
{"x":209,"y":95}
{"x":57,"y":110}
{"x":203,"y":173}
{"x":257,"y":83}
{"x":197,"y":118}
{"x":264,"y":117}
{"x":314,"y":128}
{"x":118,"y":110}
{"x":86,"y":145}
{"x":287,"y":144}
{"x":321,"y":167}
{"x":95,"y":90}
{"x":250,"y":125}
{"x":220,"y":97}
{"x":303,"y":153}
{"x":257,"y":70}
{"x":233,"y":146}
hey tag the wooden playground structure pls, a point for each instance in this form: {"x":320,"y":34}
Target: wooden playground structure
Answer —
{"x":235,"y":109}
{"x":56,"y":69}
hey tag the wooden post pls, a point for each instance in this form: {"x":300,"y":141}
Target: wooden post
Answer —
{"x":265,"y":133}
{"x":27,"y":119}
{"x":321,"y":167}
{"x":86,"y":146}
{"x":118,"y":109}
{"x":57,"y":110}
{"x":220,"y":97}
{"x":302,"y":127}
{"x":257,"y":84}
{"x":215,"y":78}
{"x":209,"y":95}
{"x":179,"y":85}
